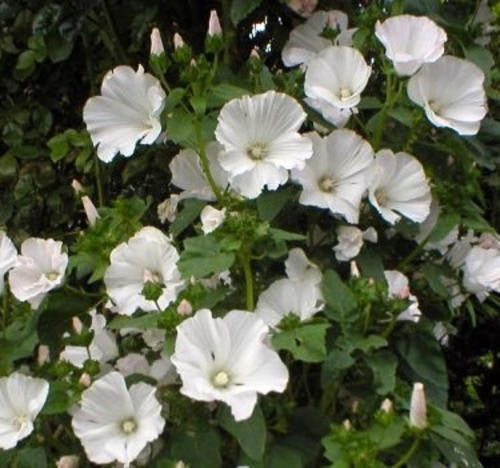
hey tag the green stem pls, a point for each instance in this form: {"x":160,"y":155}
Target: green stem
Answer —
{"x":389,"y":328}
{"x":112,"y":32}
{"x":67,"y":287}
{"x":205,"y":165}
{"x":5,"y":303}
{"x":416,"y":251}
{"x":97,"y":168}
{"x":408,"y":455}
{"x":377,"y":137}
{"x":247,"y":271}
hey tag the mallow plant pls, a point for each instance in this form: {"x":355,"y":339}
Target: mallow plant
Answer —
{"x":288,"y":303}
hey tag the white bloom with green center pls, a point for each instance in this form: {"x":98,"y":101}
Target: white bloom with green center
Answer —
{"x":226,"y":359}
{"x":127,"y":112}
{"x":398,"y":187}
{"x":148,"y":256}
{"x":306,"y":40}
{"x":451,"y":92}
{"x":39,"y":269}
{"x":187,"y":173}
{"x":410,"y":41}
{"x":114,"y":423}
{"x":21,"y":399}
{"x":8,"y":257}
{"x":261,"y":140}
{"x":335,"y":177}
{"x":337,"y":76}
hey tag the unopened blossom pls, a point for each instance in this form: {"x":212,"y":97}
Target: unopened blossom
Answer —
{"x":261,"y":140}
{"x":156,"y":43}
{"x":126,"y":113}
{"x":90,"y":210}
{"x":211,"y":218}
{"x":114,"y":423}
{"x":184,"y":308}
{"x":303,"y":7}
{"x":148,"y":256}
{"x":451,"y":92}
{"x":335,"y":177}
{"x":226,"y":359}
{"x":167,"y":209}
{"x":178,"y":41}
{"x":337,"y":75}
{"x":187,"y":173}
{"x":398,"y":287}
{"x":214,"y":27}
{"x":85,"y":379}
{"x":68,"y":461}
{"x":350,"y":240}
{"x":306,"y":40}
{"x":39,"y":269}
{"x":8,"y":257}
{"x":76,"y":324}
{"x":21,"y":399}
{"x":410,"y":41}
{"x":43,"y":354}
{"x":77,"y":186}
{"x":387,"y":406}
{"x":418,"y":407}
{"x":482,"y":271}
{"x":398,"y":187}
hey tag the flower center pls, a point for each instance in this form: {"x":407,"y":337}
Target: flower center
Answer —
{"x":151,"y":276}
{"x":326,"y":184}
{"x":19,"y":422}
{"x":52,"y":275}
{"x":345,"y":93}
{"x":257,"y":151}
{"x":381,"y":197}
{"x":434,"y":106}
{"x":128,"y":426}
{"x":221,"y":379}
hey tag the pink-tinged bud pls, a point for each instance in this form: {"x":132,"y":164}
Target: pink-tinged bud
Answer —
{"x":90,"y":210}
{"x":354,"y":270}
{"x":386,"y":406}
{"x":68,"y":461}
{"x":347,"y":424}
{"x":178,"y":41}
{"x":304,"y":8}
{"x":43,"y":354}
{"x":167,"y":209}
{"x":85,"y":380}
{"x":77,"y":325}
{"x":184,"y":308}
{"x":192,"y":63}
{"x":254,"y":53}
{"x":214,"y":27}
{"x":418,"y":407}
{"x":156,"y":43}
{"x":77,"y":187}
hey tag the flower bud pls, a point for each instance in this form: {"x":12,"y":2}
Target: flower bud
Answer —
{"x":77,"y":187}
{"x":85,"y":380}
{"x":304,"y":8}
{"x":178,"y":41}
{"x":77,"y":325}
{"x":214,"y":27}
{"x":43,"y":354}
{"x":386,"y":406}
{"x":418,"y":407}
{"x":211,"y":218}
{"x":167,"y":209}
{"x":156,"y":43}
{"x":184,"y":308}
{"x":347,"y":425}
{"x":254,"y":53}
{"x":68,"y":461}
{"x":90,"y":210}
{"x":354,"y":270}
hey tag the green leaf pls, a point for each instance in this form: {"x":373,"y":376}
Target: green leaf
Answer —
{"x":174,"y":97}
{"x":240,"y":9}
{"x":281,"y":235}
{"x":371,"y":264}
{"x":199,"y":104}
{"x":383,"y":365}
{"x":445,"y":223}
{"x":482,"y":57}
{"x":433,"y":275}
{"x":386,"y":436}
{"x":180,"y":128}
{"x":59,"y":147}
{"x":250,"y":433}
{"x":58,"y":400}
{"x":269,"y":204}
{"x":29,"y":457}
{"x":191,"y":209}
{"x":402,"y":115}
{"x":58,"y":48}
{"x":26,"y":61}
{"x":143,"y":322}
{"x":456,"y":454}
{"x":224,"y":92}
{"x":306,"y":342}
{"x":281,"y":456}
{"x":339,"y":298}
{"x":8,"y":167}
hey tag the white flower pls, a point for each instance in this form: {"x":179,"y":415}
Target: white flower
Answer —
{"x":39,"y":268}
{"x":452,"y":94}
{"x":156,"y":43}
{"x":338,"y":76}
{"x":398,"y":286}
{"x":418,"y":407}
{"x":299,"y":268}
{"x":459,"y":250}
{"x":214,"y":27}
{"x":261,"y":141}
{"x":306,"y":40}
{"x":90,"y":210}
{"x":8,"y":257}
{"x":350,"y":240}
{"x":410,"y":41}
{"x":114,"y":423}
{"x":127,"y":112}
{"x":21,"y":399}
{"x":397,"y":182}
{"x":147,"y":257}
{"x":334,"y":115}
{"x":167,"y":209}
{"x":188,"y":175}
{"x":226,"y":359}
{"x":335,"y":177}
{"x":303,"y":7}
{"x":286,"y":296}
{"x":102,"y":348}
{"x":482,"y":271}
{"x":211,"y":218}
